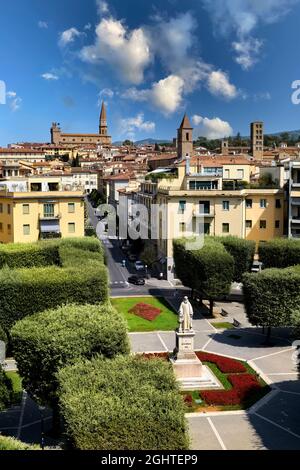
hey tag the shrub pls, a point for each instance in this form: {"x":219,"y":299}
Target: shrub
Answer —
{"x":225,"y":364}
{"x":279,"y":253}
{"x":272,"y":297}
{"x":71,"y":256}
{"x":127,"y":403}
{"x":5,"y":390}
{"x":3,"y":335}
{"x":46,"y":341}
{"x":10,"y":443}
{"x":83,"y":243}
{"x":146,"y":311}
{"x":27,"y":255}
{"x":242,"y":251}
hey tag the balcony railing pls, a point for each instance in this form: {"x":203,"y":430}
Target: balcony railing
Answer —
{"x":199,"y":213}
{"x":49,"y":216}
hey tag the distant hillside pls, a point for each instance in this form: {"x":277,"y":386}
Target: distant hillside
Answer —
{"x":146,"y":142}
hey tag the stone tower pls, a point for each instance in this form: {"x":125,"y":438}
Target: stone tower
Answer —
{"x":257,"y":139}
{"x":55,"y":133}
{"x":103,"y":121}
{"x":185,"y":139}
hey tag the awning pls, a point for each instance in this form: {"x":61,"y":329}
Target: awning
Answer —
{"x":49,"y":226}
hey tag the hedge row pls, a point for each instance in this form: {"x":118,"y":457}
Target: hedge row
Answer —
{"x":272,"y":297}
{"x":46,"y":341}
{"x":10,"y":443}
{"x":279,"y":253}
{"x":242,"y":251}
{"x":127,"y":403}
{"x":5,"y":390}
{"x":45,"y":253}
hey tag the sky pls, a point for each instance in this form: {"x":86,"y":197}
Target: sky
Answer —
{"x":224,"y":62}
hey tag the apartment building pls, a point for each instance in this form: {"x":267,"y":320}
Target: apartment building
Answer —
{"x":37,"y":208}
{"x":294,"y":200}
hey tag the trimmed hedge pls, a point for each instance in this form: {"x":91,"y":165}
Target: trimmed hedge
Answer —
{"x":6,"y":390}
{"x":128,"y":403}
{"x":10,"y":443}
{"x":46,"y":341}
{"x":27,"y":291}
{"x":279,"y":253}
{"x":272,"y":297}
{"x":242,"y":251}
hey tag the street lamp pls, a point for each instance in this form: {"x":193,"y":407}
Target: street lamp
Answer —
{"x":146,"y":270}
{"x":41,"y":410}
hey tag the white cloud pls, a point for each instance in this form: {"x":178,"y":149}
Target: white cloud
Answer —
{"x":129,"y":126}
{"x":106,"y":92}
{"x":127,"y":52}
{"x":14,"y":101}
{"x":211,"y":128}
{"x":102,"y":7}
{"x":88,"y":27}
{"x":219,"y":85}
{"x":242,"y":17}
{"x":49,"y":76}
{"x":68,"y":36}
{"x":43,"y":24}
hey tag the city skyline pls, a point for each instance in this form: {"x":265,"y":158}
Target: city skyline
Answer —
{"x":226,"y":67}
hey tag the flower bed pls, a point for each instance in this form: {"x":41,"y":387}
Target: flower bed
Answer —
{"x":225,"y":364}
{"x":244,"y":386}
{"x":146,"y":311}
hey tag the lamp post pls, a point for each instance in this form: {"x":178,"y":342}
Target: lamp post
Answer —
{"x":41,"y":410}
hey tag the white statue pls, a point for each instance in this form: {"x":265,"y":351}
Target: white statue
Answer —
{"x":185,"y":315}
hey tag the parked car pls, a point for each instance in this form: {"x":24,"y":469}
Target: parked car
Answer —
{"x":138,"y":281}
{"x":256,"y":267}
{"x":139,"y":265}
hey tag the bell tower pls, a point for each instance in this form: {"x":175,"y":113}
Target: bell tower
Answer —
{"x":185,"y":139}
{"x":103,"y":121}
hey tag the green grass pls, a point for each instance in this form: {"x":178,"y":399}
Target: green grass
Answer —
{"x":17,"y":386}
{"x":166,"y":321}
{"x":223,"y":325}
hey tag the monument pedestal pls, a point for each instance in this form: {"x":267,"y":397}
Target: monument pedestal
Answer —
{"x":189,"y":370}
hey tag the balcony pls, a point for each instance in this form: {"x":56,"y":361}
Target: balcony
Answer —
{"x":49,"y":217}
{"x":198,"y":213}
{"x":296,"y":220}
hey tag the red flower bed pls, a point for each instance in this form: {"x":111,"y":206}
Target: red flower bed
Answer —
{"x":221,"y":397}
{"x":225,"y":364}
{"x":188,"y":400}
{"x":146,"y":311}
{"x":244,"y":384}
{"x":243,"y":387}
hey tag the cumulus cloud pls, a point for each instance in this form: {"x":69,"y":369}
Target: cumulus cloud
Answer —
{"x":242,"y":17}
{"x":43,"y":24}
{"x":102,"y":7}
{"x":68,"y":36}
{"x":88,"y":27}
{"x":129,"y":126}
{"x":14,"y":101}
{"x":49,"y":76}
{"x":106,"y":92}
{"x":128,"y":52}
{"x":219,"y":85}
{"x":211,"y":128}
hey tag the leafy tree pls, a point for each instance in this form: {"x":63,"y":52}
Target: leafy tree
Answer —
{"x":127,"y":143}
{"x":128,"y":403}
{"x":47,"y":341}
{"x":279,"y":253}
{"x":242,"y":251}
{"x":149,"y":255}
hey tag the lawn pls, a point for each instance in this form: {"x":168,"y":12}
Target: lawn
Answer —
{"x":166,"y":320}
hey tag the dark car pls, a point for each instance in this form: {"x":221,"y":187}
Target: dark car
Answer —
{"x":138,"y":281}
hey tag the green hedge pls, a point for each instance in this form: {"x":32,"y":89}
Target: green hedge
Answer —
{"x":279,"y":253}
{"x":128,"y":403}
{"x":242,"y":251}
{"x":3,"y":335}
{"x":46,"y":341}
{"x":27,"y":291}
{"x":6,"y":390}
{"x":70,"y":257}
{"x":272,"y":297}
{"x":10,"y":443}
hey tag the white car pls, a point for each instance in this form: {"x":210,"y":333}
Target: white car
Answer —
{"x":139,"y":265}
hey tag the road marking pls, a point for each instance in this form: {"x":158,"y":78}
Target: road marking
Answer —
{"x":277,"y":425}
{"x":273,"y":354}
{"x":216,"y":434}
{"x":207,"y":343}
{"x":163,"y":343}
{"x":284,"y":373}
{"x":24,"y":399}
{"x":288,"y":391}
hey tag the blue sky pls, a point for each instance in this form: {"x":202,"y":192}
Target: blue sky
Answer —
{"x":225,"y":62}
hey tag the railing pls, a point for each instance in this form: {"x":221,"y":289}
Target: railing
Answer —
{"x":198,"y":213}
{"x":49,"y":216}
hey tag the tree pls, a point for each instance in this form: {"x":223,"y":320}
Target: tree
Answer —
{"x":127,"y":143}
{"x":242,"y":251}
{"x":47,"y":341}
{"x":209,"y":270}
{"x":127,"y":403}
{"x":279,"y":253}
{"x":148,"y":256}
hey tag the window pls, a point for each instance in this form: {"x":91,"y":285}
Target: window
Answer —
{"x":26,"y":229}
{"x":249,"y":203}
{"x":182,"y":207}
{"x":225,"y":228}
{"x":187,"y":136}
{"x":240,"y":174}
{"x":1,"y":208}
{"x":204,"y":207}
{"x":71,"y":207}
{"x":278,"y":204}
{"x":49,"y":210}
{"x":263,"y":224}
{"x":71,"y":227}
{"x":225,"y":205}
{"x":182,"y":227}
{"x":9,"y":229}
{"x":1,"y":227}
{"x":263,"y":203}
{"x":277,"y":223}
{"x":248,"y":223}
{"x":206,"y":228}
{"x":25,"y":209}
{"x":8,"y":208}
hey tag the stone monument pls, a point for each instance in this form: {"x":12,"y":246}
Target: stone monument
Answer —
{"x":189,"y":370}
